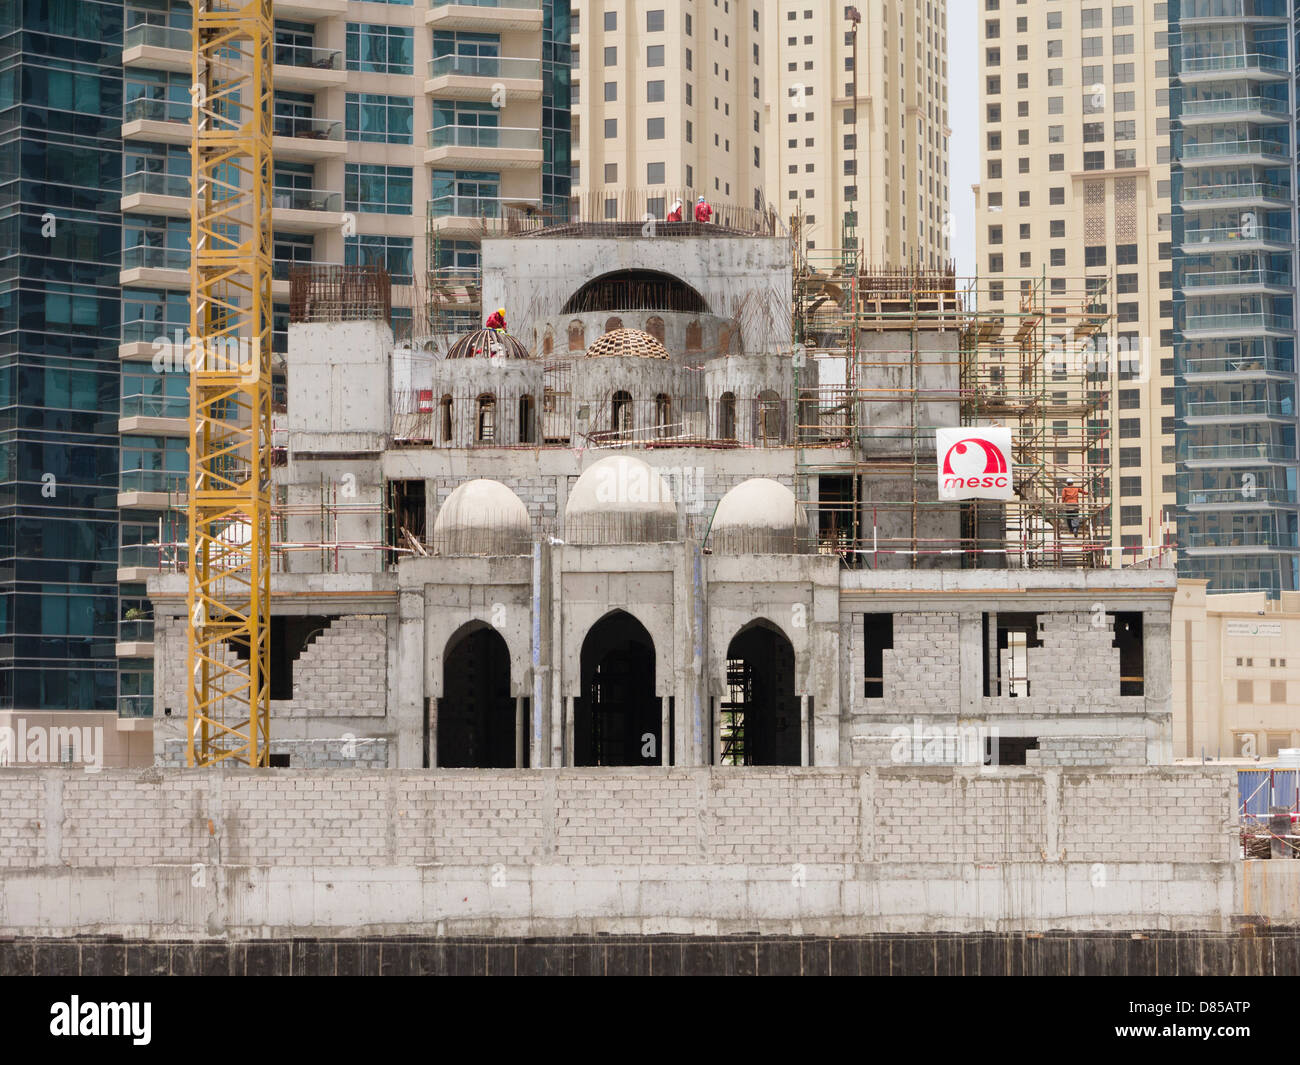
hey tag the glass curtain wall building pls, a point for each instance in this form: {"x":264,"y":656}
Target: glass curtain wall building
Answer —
{"x":1235,"y":229}
{"x":60,"y":313}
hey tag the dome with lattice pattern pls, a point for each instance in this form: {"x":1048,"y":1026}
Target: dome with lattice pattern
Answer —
{"x":487,"y":344}
{"x":632,"y":342}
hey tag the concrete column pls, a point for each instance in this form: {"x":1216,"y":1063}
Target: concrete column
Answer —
{"x":716,"y":718}
{"x":521,"y":732}
{"x":567,"y":738}
{"x":1157,"y":683}
{"x":540,"y":652}
{"x":664,"y":731}
{"x":970,"y":649}
{"x":406,"y":686}
{"x":803,"y":731}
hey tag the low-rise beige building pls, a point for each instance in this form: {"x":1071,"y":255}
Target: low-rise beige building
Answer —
{"x":1236,"y":673}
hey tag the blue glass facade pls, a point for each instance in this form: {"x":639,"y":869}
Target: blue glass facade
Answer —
{"x":557,"y":123}
{"x":1235,"y":228}
{"x":60,"y":309}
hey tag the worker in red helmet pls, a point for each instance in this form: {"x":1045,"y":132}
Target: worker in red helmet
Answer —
{"x":497,"y":319}
{"x":703,"y":212}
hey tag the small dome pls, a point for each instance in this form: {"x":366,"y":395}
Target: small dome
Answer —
{"x":620,"y":500}
{"x":627,"y":342}
{"x":758,"y":516}
{"x":487,"y":344}
{"x":483,"y":518}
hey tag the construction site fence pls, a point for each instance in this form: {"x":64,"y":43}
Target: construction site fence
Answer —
{"x":643,"y":212}
{"x":334,"y":293}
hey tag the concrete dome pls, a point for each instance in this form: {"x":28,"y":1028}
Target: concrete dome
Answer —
{"x":620,"y":500}
{"x":758,"y":516}
{"x":627,"y":342}
{"x":482,"y":518}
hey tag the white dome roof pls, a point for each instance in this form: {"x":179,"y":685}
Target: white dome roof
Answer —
{"x":758,"y":516}
{"x":620,"y":500}
{"x":482,"y":517}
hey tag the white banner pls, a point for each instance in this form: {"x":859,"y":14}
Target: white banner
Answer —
{"x":974,"y":463}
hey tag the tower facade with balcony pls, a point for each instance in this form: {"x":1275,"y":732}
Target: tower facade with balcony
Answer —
{"x":1234,"y":143}
{"x":386,"y":113}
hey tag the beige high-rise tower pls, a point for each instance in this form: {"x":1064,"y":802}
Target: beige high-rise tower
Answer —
{"x":800,"y":108}
{"x":1074,"y":102}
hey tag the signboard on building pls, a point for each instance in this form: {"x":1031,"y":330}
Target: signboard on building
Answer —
{"x":1254,"y":628}
{"x":974,"y":463}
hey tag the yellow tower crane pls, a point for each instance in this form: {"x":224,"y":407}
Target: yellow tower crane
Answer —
{"x":229,"y":504}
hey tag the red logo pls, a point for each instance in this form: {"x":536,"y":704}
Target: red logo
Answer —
{"x":994,"y":461}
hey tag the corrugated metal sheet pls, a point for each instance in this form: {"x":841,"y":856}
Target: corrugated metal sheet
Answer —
{"x":1258,"y":789}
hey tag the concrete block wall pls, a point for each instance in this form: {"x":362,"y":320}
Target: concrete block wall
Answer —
{"x":699,"y":851}
{"x":921,"y":671}
{"x":345,"y":751}
{"x":1076,"y":669}
{"x":343,"y":672}
{"x":1088,"y":751}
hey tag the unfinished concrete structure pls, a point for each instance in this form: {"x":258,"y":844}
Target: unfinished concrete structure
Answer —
{"x":611,"y":541}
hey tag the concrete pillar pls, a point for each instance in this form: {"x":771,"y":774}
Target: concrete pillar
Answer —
{"x":540,"y":651}
{"x":664,"y":730}
{"x":407,"y":683}
{"x":970,"y":650}
{"x":521,"y":732}
{"x":567,"y":738}
{"x":803,"y":731}
{"x":1157,"y":683}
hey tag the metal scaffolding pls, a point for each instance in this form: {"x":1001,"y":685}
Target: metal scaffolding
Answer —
{"x":902,"y":352}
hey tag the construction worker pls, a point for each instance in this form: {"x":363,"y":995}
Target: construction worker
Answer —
{"x":497,"y":320}
{"x":703,"y":212}
{"x":1070,"y":496}
{"x":675,"y":215}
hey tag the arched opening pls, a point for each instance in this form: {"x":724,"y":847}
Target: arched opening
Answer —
{"x":663,"y":415}
{"x":769,"y":418}
{"x":620,"y":416}
{"x":727,"y":416}
{"x":485,"y":425}
{"x":654,"y":325}
{"x":632,"y":290}
{"x":760,"y":714}
{"x":613,"y":323}
{"x":445,"y":408}
{"x":527,"y":420}
{"x":548,"y":341}
{"x":577,"y":336}
{"x":694,"y":336}
{"x":617,"y":717}
{"x":476,"y":714}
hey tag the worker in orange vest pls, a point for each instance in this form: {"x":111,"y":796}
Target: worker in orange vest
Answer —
{"x":1070,"y":496}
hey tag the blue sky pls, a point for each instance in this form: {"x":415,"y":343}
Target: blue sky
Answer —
{"x":963,"y":118}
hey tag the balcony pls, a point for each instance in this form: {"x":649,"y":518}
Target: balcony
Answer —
{"x":166,"y":121}
{"x":1234,"y":367}
{"x":307,"y":140}
{"x":135,"y":638}
{"x":485,"y":147}
{"x":470,"y":217}
{"x":306,"y":210}
{"x":1208,"y":412}
{"x":1234,"y":280}
{"x":1215,"y":67}
{"x":489,"y":16}
{"x":133,"y":707}
{"x":1219,"y":499}
{"x":1229,"y":325}
{"x":1201,"y":456}
{"x":157,"y":48}
{"x":139,"y":337}
{"x":1238,"y":238}
{"x":151,"y":490}
{"x":155,"y":267}
{"x":308,"y":69}
{"x":470,"y":77}
{"x":151,"y":415}
{"x":1211,"y":11}
{"x":149,"y":192}
{"x":1244,"y":109}
{"x":136,"y":563}
{"x":310,"y":10}
{"x":1265,"y":153}
{"x":1239,"y":542}
{"x":1258,"y":194}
